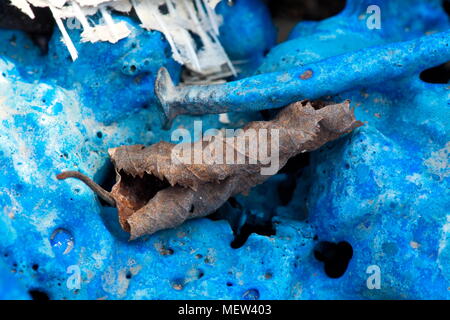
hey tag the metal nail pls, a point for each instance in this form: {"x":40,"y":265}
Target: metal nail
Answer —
{"x":326,"y":77}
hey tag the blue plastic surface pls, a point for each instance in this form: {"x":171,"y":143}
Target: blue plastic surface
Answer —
{"x":384,"y":188}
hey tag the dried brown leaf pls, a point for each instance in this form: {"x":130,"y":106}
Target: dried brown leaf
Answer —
{"x":152,"y":192}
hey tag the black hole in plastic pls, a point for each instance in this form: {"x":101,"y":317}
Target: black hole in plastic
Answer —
{"x":447,"y":7}
{"x":247,"y":230}
{"x":234,"y":203}
{"x":39,"y":29}
{"x":293,"y":168}
{"x":287,"y":13}
{"x":128,"y":275}
{"x":166,"y":251}
{"x":439,"y":74}
{"x":296,"y":163}
{"x":163,"y":9}
{"x":35,"y":267}
{"x":39,"y":295}
{"x":108,"y":181}
{"x":306,"y":9}
{"x":334,"y":256}
{"x":99,"y":134}
{"x":178,"y":284}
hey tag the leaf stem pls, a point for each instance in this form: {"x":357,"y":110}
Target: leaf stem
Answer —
{"x":102,"y":193}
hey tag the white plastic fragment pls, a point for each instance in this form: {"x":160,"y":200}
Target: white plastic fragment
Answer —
{"x":212,"y":17}
{"x":179,"y":23}
{"x":212,"y":3}
{"x":109,"y":22}
{"x":103,"y":33}
{"x":68,"y":42}
{"x":121,"y":5}
{"x":81,"y":17}
{"x":223,"y":118}
{"x":191,"y":28}
{"x":24,"y":6}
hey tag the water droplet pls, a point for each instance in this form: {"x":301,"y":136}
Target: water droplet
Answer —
{"x":62,"y":241}
{"x":251,"y":294}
